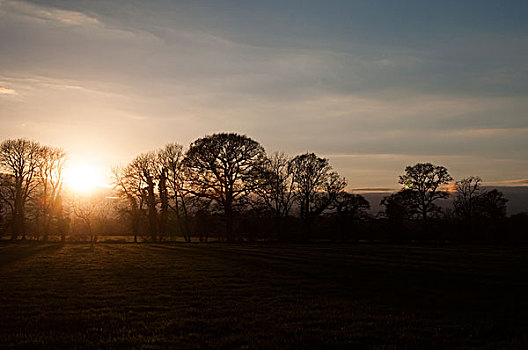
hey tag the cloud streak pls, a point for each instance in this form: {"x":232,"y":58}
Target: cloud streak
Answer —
{"x":7,"y":91}
{"x":39,"y":13}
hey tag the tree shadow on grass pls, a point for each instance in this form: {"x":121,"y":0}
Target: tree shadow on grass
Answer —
{"x":15,"y":251}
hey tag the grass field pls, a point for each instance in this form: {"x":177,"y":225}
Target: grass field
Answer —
{"x":262,"y":296}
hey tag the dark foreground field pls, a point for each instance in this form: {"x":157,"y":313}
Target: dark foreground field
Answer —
{"x":238,"y":296}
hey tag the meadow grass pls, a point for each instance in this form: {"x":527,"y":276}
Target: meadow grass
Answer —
{"x":261,"y":296}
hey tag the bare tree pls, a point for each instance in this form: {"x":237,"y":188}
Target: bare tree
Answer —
{"x":316,"y":186}
{"x":224,"y":168}
{"x":155,"y":181}
{"x":163,"y":193}
{"x":19,"y":160}
{"x":50,"y":171}
{"x":468,"y":190}
{"x":426,"y":179}
{"x":473,"y":201}
{"x":4,"y":204}
{"x":143,"y":172}
{"x":130,"y":188}
{"x":85,"y":210}
{"x":7,"y":197}
{"x":171,"y":164}
{"x":277,"y":187}
{"x":95,"y":212}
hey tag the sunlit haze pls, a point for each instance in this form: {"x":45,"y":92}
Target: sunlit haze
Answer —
{"x":84,"y":178}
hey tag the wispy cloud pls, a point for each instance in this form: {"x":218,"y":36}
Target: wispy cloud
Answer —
{"x":24,"y":85}
{"x":44,"y":13}
{"x":489,"y":132}
{"x":508,"y":183}
{"x":373,"y":190}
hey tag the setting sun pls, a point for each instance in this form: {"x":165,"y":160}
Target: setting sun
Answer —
{"x":84,"y":177}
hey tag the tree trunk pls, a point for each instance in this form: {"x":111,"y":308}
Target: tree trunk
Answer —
{"x":164,"y":199}
{"x":229,"y":220}
{"x":187,"y":231}
{"x":18,"y":224}
{"x":152,"y":212}
{"x":45,"y":227}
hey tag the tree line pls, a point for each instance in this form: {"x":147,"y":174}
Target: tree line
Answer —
{"x":222,"y":175}
{"x":226,"y":186}
{"x":31,"y":184}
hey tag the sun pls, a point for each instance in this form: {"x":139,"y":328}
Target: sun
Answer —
{"x":84,"y":178}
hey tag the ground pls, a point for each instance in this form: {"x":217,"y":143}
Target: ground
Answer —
{"x":262,"y":296}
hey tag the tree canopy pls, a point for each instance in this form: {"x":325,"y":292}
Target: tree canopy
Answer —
{"x":225,"y":169}
{"x":425,"y":180}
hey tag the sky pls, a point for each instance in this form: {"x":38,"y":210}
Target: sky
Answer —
{"x":372,"y":85}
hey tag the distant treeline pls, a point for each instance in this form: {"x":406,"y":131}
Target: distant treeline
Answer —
{"x":225,"y":187}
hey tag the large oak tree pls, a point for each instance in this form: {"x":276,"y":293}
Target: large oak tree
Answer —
{"x":224,"y":168}
{"x":425,"y":181}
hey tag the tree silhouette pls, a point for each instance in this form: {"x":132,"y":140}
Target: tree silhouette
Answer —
{"x":143,"y":174}
{"x":468,"y":190}
{"x":129,"y":187}
{"x":154,"y":186}
{"x":491,"y":205}
{"x":472,"y":201}
{"x":316,"y":186}
{"x":349,"y":208}
{"x":94,"y":212}
{"x":19,"y":159}
{"x":400,"y":207}
{"x":277,"y":185}
{"x":351,"y":205}
{"x":425,"y":179}
{"x":171,"y":164}
{"x":143,"y":171}
{"x":51,"y":167}
{"x":224,"y":168}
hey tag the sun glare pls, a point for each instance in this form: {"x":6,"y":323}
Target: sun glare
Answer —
{"x":84,"y":178}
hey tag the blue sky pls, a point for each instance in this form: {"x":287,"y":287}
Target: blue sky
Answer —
{"x":373,"y":85}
